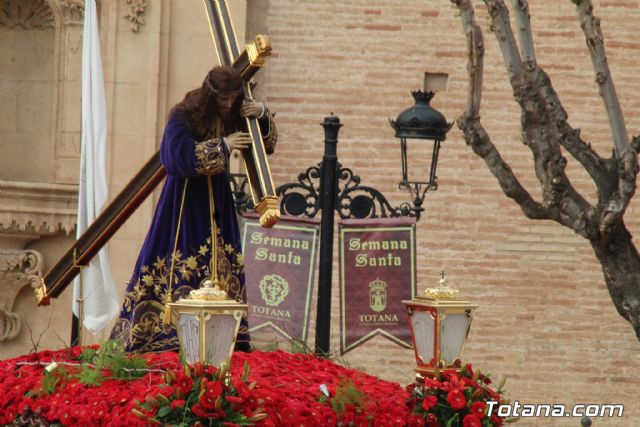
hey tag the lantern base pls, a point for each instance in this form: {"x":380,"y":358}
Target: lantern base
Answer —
{"x":423,"y":372}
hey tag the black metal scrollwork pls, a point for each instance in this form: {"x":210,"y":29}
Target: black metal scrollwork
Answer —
{"x":360,"y":201}
{"x":302,"y":198}
{"x":353,"y":200}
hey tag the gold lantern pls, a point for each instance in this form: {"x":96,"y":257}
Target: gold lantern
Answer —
{"x":207,"y":323}
{"x":439,"y":324}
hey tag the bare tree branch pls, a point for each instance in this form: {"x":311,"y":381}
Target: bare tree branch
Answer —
{"x":569,"y":138}
{"x":475,"y":62}
{"x":540,"y":130}
{"x":469,"y":123}
{"x":617,"y":204}
{"x":36,"y":343}
{"x":523,"y":18}
{"x":501,"y":27}
{"x":626,"y":154}
{"x":478,"y":139}
{"x":595,"y":42}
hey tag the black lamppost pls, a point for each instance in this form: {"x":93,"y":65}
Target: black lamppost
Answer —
{"x":420,"y":122}
{"x":329,"y":188}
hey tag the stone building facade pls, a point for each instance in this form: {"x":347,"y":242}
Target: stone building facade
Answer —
{"x":545,"y":318}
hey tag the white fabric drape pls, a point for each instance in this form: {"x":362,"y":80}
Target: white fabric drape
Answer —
{"x":98,"y":288}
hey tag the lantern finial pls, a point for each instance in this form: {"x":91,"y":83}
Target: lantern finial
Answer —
{"x":209,"y":291}
{"x":442,"y":291}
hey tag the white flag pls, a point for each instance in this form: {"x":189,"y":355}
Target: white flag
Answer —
{"x":100,"y":302}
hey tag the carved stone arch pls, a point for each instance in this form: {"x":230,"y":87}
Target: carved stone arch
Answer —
{"x":67,"y":12}
{"x":28,"y":14}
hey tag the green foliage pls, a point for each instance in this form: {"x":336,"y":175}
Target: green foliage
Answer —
{"x":209,"y":397}
{"x":90,"y":376}
{"x":87,"y":355}
{"x":111,"y":356}
{"x":270,"y":346}
{"x":51,"y":379}
{"x":96,"y":365}
{"x":245,"y":372}
{"x":299,"y":347}
{"x":347,"y":394}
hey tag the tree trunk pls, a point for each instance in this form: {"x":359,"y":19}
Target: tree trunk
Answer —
{"x":621,"y":267}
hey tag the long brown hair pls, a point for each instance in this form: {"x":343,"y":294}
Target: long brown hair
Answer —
{"x":200,"y":105}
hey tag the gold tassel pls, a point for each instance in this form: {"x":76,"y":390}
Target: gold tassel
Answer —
{"x":168,"y":314}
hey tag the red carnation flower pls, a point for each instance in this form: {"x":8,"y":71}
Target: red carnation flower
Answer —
{"x":478,"y":409}
{"x":471,"y":421}
{"x":429,"y":402}
{"x":456,"y":399}
{"x":214,"y":389}
{"x":184,"y":383}
{"x":208,"y":399}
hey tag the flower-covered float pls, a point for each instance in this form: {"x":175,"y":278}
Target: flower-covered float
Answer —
{"x":90,"y":386}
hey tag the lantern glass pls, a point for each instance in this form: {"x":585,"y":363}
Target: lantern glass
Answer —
{"x":218,"y":336}
{"x":423,"y":324}
{"x":454,"y":330}
{"x":403,"y":160}
{"x":220,"y":332}
{"x":419,"y":159}
{"x":188,"y":331}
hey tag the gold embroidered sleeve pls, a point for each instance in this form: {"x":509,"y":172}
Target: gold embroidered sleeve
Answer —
{"x":269,"y":131}
{"x":211,"y":158}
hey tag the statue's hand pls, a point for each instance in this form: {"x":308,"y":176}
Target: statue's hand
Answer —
{"x":238,"y":140}
{"x":252,"y":108}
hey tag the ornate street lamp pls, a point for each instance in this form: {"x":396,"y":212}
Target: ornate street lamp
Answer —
{"x":439,"y":324}
{"x":207,"y":322}
{"x":420,"y":122}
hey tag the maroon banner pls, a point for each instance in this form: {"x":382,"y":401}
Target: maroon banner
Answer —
{"x":377,"y":272}
{"x":280,"y":264}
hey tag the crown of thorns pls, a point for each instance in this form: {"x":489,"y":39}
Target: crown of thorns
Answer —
{"x":217,"y":92}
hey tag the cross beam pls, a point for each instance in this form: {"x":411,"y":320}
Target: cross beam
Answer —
{"x":255,"y":157}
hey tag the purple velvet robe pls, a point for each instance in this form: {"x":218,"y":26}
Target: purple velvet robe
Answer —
{"x":140,"y":324}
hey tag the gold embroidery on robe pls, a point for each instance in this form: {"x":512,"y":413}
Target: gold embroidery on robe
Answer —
{"x":210,"y":158}
{"x":149,"y":294}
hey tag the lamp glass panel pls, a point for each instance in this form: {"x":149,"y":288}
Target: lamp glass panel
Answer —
{"x":452,"y":335}
{"x":189,"y":328}
{"x":220,"y":333}
{"x":419,"y":155}
{"x":423,"y":334}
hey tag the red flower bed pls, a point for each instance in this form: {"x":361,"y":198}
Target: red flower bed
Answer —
{"x":288,"y":388}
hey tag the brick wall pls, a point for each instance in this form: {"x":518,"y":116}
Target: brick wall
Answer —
{"x":545,"y":318}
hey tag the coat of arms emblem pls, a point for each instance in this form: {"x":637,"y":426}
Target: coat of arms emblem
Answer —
{"x":378,"y":295}
{"x":273,"y":289}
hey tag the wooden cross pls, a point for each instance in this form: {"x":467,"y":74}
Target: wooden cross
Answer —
{"x":247,"y":63}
